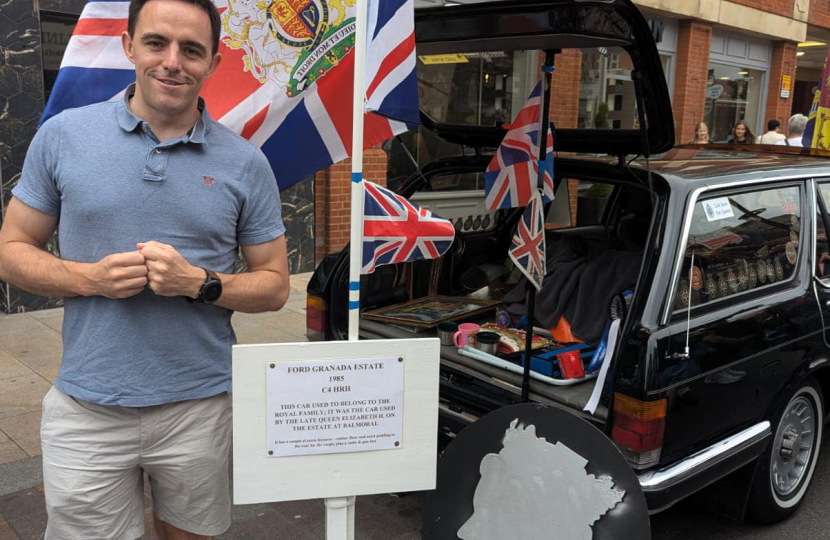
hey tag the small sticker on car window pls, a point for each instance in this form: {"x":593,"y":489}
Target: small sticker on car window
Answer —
{"x":717,"y":209}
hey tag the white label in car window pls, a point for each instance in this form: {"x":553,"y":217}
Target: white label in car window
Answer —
{"x":717,"y":209}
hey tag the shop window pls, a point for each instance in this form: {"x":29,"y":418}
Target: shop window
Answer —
{"x":605,"y":89}
{"x":55,"y":31}
{"x":733,"y":94}
{"x":739,"y":242}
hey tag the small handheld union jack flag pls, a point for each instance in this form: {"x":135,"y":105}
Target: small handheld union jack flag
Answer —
{"x":512,"y":176}
{"x":528,"y":249}
{"x":396,"y":230}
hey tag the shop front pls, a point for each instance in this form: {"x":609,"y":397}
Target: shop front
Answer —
{"x":736,"y":85}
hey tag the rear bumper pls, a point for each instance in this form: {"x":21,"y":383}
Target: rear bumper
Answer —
{"x":666,"y":486}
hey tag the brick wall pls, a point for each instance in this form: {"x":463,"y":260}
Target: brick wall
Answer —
{"x":819,"y":13}
{"x":783,"y":63}
{"x":564,"y":95}
{"x":694,"y":40}
{"x":779,"y":7}
{"x":333,"y":196}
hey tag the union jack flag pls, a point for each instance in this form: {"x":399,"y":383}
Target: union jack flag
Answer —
{"x":511,"y":177}
{"x":396,"y":230}
{"x":528,"y":249}
{"x":274,"y":86}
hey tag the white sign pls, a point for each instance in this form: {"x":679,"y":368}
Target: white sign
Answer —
{"x":717,"y":209}
{"x":332,"y":406}
{"x":714,"y":92}
{"x":258,"y":477}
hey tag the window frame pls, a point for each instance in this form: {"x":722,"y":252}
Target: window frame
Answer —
{"x":670,"y":313}
{"x":820,"y":207}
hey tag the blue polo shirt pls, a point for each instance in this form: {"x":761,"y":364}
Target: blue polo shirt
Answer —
{"x":113,"y":184}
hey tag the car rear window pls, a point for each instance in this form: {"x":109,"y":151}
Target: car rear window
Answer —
{"x":490,"y":88}
{"x":739,"y":242}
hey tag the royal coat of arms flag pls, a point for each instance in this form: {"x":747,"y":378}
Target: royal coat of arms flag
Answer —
{"x":396,"y":230}
{"x":528,"y":247}
{"x":285,"y":80}
{"x":817,"y":130}
{"x":512,"y":176}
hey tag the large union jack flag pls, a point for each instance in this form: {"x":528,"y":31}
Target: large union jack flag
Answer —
{"x":285,"y":80}
{"x":528,"y":247}
{"x":396,"y":230}
{"x":512,"y":176}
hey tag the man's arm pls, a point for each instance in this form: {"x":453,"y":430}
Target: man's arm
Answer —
{"x":26,"y":264}
{"x":264,"y":287}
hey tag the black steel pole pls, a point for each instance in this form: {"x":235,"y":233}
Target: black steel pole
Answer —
{"x":547,"y":73}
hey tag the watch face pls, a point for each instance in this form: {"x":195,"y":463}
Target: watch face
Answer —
{"x":212,"y":291}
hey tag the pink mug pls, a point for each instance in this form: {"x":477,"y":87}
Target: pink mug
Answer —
{"x":466,"y":335}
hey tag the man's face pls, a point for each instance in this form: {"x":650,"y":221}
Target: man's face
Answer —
{"x":171,"y":50}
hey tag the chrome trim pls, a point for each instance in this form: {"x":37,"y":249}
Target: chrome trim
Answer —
{"x":816,"y":363}
{"x":699,"y":462}
{"x":687,"y":223}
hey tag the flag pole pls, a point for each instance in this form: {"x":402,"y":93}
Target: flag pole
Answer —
{"x":356,"y":227}
{"x":340,"y":510}
{"x":547,"y":71}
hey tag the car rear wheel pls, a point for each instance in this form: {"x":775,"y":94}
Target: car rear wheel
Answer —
{"x":786,"y":468}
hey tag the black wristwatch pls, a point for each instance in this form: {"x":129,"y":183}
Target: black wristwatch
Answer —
{"x":211,"y":289}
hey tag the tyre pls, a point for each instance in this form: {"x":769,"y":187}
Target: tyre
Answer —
{"x":785,"y":468}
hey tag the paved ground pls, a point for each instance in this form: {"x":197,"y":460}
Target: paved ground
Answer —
{"x":30,"y":350}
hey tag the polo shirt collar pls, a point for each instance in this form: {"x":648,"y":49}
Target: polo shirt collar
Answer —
{"x":129,"y":122}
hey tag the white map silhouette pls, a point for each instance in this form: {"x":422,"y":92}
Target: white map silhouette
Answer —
{"x":535,"y":490}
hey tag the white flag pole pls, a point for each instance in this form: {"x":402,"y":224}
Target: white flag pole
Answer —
{"x":358,"y":110}
{"x":340,"y":510}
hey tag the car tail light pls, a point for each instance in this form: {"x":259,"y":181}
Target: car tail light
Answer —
{"x":315,"y":318}
{"x":638,"y":429}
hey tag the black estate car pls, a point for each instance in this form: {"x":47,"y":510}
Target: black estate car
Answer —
{"x":720,"y":372}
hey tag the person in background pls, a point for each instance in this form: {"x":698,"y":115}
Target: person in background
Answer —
{"x":795,"y":130}
{"x":701,"y":134}
{"x":773,"y":135}
{"x":741,"y":134}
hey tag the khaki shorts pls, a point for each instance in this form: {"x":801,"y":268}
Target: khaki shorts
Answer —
{"x":94,"y":457}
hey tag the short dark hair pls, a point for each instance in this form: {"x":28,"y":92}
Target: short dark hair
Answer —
{"x":205,"y":5}
{"x":773,"y":124}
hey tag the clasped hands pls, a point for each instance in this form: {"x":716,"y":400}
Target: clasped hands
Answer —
{"x":155,"y":265}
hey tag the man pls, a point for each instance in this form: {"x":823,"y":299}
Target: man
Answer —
{"x":795,"y":130}
{"x":153,"y":198}
{"x":773,"y":135}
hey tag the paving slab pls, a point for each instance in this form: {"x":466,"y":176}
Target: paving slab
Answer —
{"x":20,"y":475}
{"x":17,"y":324}
{"x":9,"y":451}
{"x":24,"y":430}
{"x":11,"y":367}
{"x":47,"y":366}
{"x":6,"y":532}
{"x":36,"y":343}
{"x":21,"y":395}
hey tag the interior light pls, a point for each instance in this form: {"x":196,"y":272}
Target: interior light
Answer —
{"x":743,"y":73}
{"x":811,"y":44}
{"x":800,"y":53}
{"x":724,"y":78}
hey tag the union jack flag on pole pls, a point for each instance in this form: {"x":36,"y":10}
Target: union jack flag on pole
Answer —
{"x":512,"y":176}
{"x":396,"y":230}
{"x":285,"y":81}
{"x":528,"y":246}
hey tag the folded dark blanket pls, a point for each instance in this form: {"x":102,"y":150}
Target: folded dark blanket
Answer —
{"x":582,"y":277}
